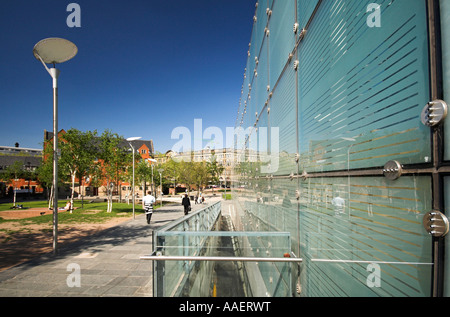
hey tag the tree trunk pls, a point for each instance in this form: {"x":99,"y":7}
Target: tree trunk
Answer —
{"x":14,"y":198}
{"x":73,"y":191}
{"x":50,"y":198}
{"x":109,"y":191}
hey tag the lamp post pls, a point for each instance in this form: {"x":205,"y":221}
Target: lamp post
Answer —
{"x":151,"y":164}
{"x":160,"y":182}
{"x":54,"y":51}
{"x":132,"y":149}
{"x":225,"y":184}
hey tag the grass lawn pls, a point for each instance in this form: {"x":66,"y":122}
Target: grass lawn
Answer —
{"x":90,"y":213}
{"x":226,"y":196}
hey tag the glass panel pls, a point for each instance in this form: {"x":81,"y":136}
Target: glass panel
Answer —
{"x":259,"y":87}
{"x":242,"y":117}
{"x":168,"y":277}
{"x":447,"y":245}
{"x":193,"y":236}
{"x":187,"y":278}
{"x":445,"y":21}
{"x":282,"y":37}
{"x":305,"y":8}
{"x":285,"y":215}
{"x":356,"y":99}
{"x":362,"y":89}
{"x":283,"y":113}
{"x":260,"y":26}
{"x":350,"y":228}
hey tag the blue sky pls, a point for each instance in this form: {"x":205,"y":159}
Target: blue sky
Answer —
{"x":144,"y":67}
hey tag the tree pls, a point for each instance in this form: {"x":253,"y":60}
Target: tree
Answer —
{"x":114,"y":159}
{"x":143,"y":174}
{"x":161,"y":181}
{"x":12,"y":173}
{"x":45,"y":178}
{"x":186,"y":173}
{"x":201,"y":175}
{"x":171,"y":173}
{"x":45,"y":171}
{"x":215,"y":169}
{"x":77,"y":155}
{"x":191,"y":173}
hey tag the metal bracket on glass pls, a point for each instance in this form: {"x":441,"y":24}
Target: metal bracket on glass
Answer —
{"x":392,"y":170}
{"x":302,"y":33}
{"x":436,"y":223}
{"x":304,"y":175}
{"x":434,"y":113}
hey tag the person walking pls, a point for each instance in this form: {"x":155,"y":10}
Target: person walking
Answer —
{"x":186,"y":203}
{"x":147,"y":204}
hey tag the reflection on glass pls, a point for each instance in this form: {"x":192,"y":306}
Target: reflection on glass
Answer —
{"x":347,"y":100}
{"x":339,"y":205}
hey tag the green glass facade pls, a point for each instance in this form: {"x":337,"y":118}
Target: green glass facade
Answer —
{"x":445,"y":20}
{"x":332,"y":91}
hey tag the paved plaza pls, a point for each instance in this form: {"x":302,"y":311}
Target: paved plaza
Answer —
{"x":108,"y":263}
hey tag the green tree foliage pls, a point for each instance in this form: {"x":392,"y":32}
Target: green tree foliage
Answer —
{"x":114,"y":159}
{"x":214,"y":169}
{"x":143,"y":175}
{"x":191,"y":174}
{"x":78,"y":152}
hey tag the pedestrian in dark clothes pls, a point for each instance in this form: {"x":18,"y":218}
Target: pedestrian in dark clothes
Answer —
{"x":186,"y":203}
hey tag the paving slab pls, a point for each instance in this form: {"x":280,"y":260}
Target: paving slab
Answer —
{"x":106,"y":264}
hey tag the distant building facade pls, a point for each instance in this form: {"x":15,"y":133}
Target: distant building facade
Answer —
{"x":30,"y":159}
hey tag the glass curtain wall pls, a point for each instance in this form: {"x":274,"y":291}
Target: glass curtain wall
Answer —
{"x":331,"y":146}
{"x":445,"y":20}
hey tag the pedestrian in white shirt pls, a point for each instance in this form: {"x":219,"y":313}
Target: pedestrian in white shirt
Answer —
{"x":147,"y":204}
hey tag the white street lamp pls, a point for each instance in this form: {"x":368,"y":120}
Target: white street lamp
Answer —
{"x":132,"y":148}
{"x":153,"y":185}
{"x":54,"y":51}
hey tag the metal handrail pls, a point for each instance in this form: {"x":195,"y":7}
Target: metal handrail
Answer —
{"x":219,"y":258}
{"x":186,"y":218}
